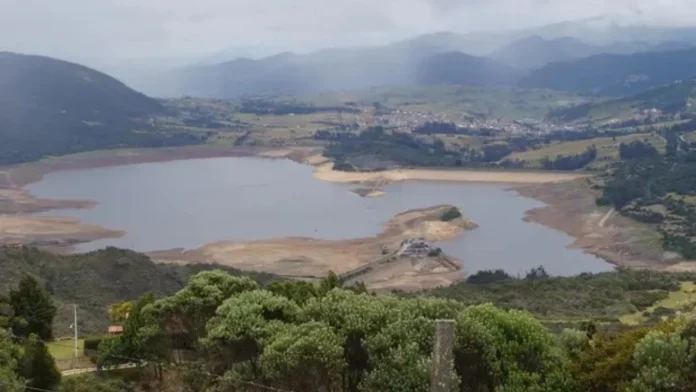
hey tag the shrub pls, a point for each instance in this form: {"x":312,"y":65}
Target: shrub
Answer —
{"x":450,"y":214}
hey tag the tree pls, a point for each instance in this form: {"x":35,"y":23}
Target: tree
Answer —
{"x":34,"y":309}
{"x":298,"y":291}
{"x":120,"y":311}
{"x":186,"y":313}
{"x":6,"y":312}
{"x":305,"y":357}
{"x":242,"y":324}
{"x":10,"y":354}
{"x":129,"y":346}
{"x":662,"y":359}
{"x":329,"y":283}
{"x":498,"y":350}
{"x":38,"y":366}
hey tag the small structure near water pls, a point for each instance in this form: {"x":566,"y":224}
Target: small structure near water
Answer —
{"x":417,"y":247}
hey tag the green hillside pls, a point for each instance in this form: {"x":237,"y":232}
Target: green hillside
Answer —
{"x":670,"y":99}
{"x":615,"y":75}
{"x":51,"y":107}
{"x":96,"y":280}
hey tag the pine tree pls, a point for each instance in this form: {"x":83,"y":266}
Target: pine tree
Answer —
{"x":37,"y":365}
{"x":33,"y":310}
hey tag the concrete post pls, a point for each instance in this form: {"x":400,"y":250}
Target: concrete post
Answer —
{"x":442,"y":356}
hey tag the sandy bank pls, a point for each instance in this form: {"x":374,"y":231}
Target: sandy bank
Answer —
{"x":50,"y":231}
{"x":308,"y":257}
{"x":325,"y":172}
{"x":571,"y":209}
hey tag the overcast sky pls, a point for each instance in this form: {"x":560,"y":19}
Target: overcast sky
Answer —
{"x":175,"y":28}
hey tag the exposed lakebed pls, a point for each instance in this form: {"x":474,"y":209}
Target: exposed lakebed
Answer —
{"x":188,"y":203}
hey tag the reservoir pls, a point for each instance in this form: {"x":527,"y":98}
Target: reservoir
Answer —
{"x":188,"y":203}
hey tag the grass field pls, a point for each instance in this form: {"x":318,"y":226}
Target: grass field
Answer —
{"x":607,"y":148}
{"x":63,"y":349}
{"x":675,"y":299}
{"x":504,"y":103}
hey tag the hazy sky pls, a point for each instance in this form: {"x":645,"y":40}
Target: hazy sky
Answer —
{"x":174,"y":28}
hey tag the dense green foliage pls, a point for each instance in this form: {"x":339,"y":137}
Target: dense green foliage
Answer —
{"x":452,"y":213}
{"x":375,"y":149}
{"x":637,"y":150}
{"x":31,"y":313}
{"x":298,"y":336}
{"x":604,"y":296}
{"x":570,"y":162}
{"x":635,"y":188}
{"x":33,"y":310}
{"x":334,"y":340}
{"x":37,"y":366}
{"x":95,"y":280}
{"x":52,"y":107}
{"x":670,"y":99}
{"x":10,"y":354}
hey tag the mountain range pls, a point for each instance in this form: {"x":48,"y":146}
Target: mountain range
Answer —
{"x":535,"y":51}
{"x":614,"y":75}
{"x":440,"y":58}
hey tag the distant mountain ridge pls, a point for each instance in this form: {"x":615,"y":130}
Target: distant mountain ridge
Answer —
{"x":461,"y":68}
{"x":535,"y":51}
{"x":615,"y":75}
{"x":402,"y":63}
{"x":399,"y":64}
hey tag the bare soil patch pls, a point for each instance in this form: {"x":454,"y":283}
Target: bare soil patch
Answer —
{"x":49,"y":231}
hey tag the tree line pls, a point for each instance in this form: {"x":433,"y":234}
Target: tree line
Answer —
{"x":224,"y":333}
{"x":570,"y":162}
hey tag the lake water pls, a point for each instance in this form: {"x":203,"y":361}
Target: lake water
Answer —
{"x":192,"y":202}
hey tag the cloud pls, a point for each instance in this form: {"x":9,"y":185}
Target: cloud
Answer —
{"x":171,"y":28}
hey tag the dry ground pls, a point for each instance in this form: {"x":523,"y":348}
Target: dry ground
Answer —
{"x":621,"y":241}
{"x":310,"y":258}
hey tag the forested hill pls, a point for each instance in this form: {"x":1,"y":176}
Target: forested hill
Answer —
{"x":96,"y":280}
{"x":51,"y":107}
{"x":670,"y":99}
{"x":615,"y":75}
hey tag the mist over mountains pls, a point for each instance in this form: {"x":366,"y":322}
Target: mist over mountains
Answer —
{"x":597,"y":56}
{"x":509,"y":58}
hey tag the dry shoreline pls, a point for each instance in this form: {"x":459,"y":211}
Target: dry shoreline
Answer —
{"x":325,"y":172}
{"x":570,"y":208}
{"x":308,"y":258}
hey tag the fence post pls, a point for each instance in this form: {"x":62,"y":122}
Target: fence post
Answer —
{"x":442,"y":356}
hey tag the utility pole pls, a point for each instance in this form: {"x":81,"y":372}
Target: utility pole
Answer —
{"x":442,"y":356}
{"x":75,"y":330}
